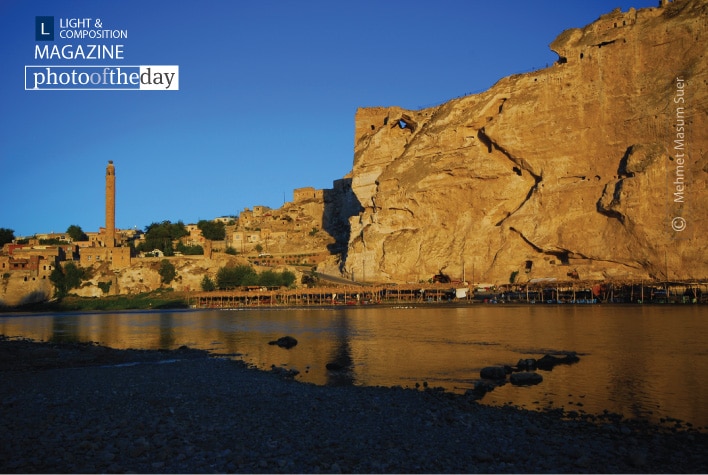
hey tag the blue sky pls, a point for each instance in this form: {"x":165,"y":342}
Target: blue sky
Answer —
{"x":267,"y":97}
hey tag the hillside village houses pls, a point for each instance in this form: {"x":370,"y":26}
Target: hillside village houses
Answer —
{"x":260,"y":228}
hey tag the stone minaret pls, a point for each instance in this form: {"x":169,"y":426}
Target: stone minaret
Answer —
{"x":110,"y":240}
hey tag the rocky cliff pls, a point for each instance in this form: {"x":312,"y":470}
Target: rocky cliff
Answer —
{"x":593,"y":168}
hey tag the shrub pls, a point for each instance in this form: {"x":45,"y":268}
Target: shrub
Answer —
{"x":232,"y":277}
{"x":66,"y":278}
{"x":207,"y":284}
{"x":167,"y":271}
{"x":195,"y":250}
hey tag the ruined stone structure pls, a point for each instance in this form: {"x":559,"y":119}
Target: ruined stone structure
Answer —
{"x":307,"y":193}
{"x":594,"y":168}
{"x":314,"y":223}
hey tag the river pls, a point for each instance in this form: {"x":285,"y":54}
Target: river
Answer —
{"x":639,"y":361}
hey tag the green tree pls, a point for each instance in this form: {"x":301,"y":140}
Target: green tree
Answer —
{"x":287,"y":278}
{"x":6,"y":236}
{"x":76,"y":233}
{"x":74,"y":275}
{"x":167,"y":272}
{"x":207,"y":284}
{"x":168,"y":250}
{"x":66,"y":278}
{"x":269,"y":278}
{"x":212,"y":230}
{"x":160,"y":236}
{"x":310,"y":279}
{"x":57,"y":278}
{"x":195,"y":250}
{"x":248,"y":275}
{"x":226,"y":279}
{"x":232,"y":277}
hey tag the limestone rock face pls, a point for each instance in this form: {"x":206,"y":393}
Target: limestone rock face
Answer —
{"x":594,"y":168}
{"x":23,"y":291}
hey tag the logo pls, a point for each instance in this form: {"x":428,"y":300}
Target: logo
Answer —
{"x":44,"y":28}
{"x":106,"y":78}
{"x":84,"y":74}
{"x":678,"y":224}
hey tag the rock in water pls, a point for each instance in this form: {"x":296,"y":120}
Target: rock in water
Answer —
{"x":493,"y":372}
{"x":528,"y":364}
{"x":286,"y":342}
{"x":547,"y":362}
{"x":525,"y":378}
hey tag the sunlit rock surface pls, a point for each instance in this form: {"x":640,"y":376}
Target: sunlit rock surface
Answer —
{"x":586,"y":169}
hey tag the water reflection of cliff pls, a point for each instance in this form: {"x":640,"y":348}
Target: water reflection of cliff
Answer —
{"x":635,"y":360}
{"x":340,"y":365}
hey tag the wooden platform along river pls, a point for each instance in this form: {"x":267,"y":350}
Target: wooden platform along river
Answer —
{"x":540,"y":292}
{"x":341,"y":295}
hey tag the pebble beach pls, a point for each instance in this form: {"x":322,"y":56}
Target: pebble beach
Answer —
{"x":83,"y":408}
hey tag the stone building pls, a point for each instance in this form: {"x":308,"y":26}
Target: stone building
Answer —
{"x":32,"y":261}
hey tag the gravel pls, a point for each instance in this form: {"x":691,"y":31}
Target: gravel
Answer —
{"x":83,"y":408}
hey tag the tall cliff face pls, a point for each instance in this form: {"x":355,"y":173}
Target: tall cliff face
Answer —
{"x":593,"y":168}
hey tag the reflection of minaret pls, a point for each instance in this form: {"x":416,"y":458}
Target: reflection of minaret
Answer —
{"x":110,"y":240}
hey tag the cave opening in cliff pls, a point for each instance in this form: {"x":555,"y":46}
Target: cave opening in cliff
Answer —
{"x":563,"y":257}
{"x":562,"y":60}
{"x":517,"y":170}
{"x":402,"y":124}
{"x":405,"y":123}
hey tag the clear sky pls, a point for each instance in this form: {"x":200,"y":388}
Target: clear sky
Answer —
{"x":266,"y":101}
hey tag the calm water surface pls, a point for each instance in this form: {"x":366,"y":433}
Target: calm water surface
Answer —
{"x":640,"y":361}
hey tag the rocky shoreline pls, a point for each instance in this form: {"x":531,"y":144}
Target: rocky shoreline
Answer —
{"x":84,"y":408}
